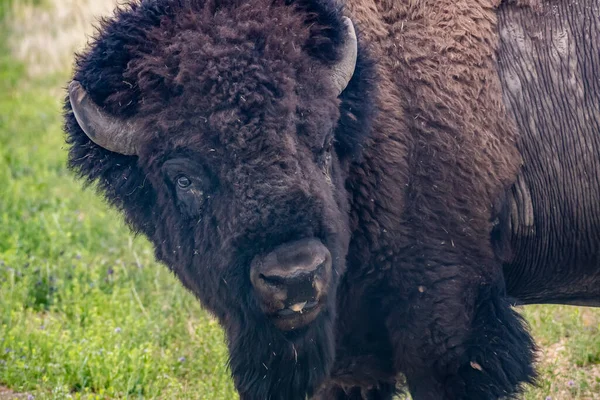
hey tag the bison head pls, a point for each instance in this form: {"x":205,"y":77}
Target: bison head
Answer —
{"x":224,"y":130}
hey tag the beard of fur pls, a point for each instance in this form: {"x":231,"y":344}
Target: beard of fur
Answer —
{"x":267,"y":363}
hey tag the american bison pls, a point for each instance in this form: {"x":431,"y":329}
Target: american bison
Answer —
{"x":355,"y":191}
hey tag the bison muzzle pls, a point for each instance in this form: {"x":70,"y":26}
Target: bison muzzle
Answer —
{"x":291,"y":282}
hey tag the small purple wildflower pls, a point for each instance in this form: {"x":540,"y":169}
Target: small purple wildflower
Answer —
{"x":181,"y":359}
{"x":30,"y":397}
{"x":548,"y":398}
{"x":117,"y":330}
{"x":571,"y":383}
{"x":110,"y":271}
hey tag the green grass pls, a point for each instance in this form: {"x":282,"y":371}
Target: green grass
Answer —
{"x":86,"y":312}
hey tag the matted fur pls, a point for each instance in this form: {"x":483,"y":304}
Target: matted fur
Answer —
{"x":238,"y":93}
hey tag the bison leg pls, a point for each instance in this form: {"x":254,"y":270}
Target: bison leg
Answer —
{"x":461,"y":342}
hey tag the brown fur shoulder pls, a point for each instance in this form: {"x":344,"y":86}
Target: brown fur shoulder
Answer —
{"x":444,"y":145}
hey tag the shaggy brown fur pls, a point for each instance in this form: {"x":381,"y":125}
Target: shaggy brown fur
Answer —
{"x":231,"y":94}
{"x":442,"y":152}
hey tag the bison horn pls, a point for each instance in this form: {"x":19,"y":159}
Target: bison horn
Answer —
{"x":113,"y":134}
{"x":342,"y":72}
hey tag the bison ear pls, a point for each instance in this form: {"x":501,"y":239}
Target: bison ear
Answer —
{"x":328,"y":29}
{"x":328,"y":43}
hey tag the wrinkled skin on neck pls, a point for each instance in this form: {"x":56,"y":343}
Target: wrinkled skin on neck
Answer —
{"x":548,"y":235}
{"x":245,"y":147}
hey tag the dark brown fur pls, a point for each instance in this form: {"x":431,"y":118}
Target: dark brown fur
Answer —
{"x":414,"y":192}
{"x":424,"y":149}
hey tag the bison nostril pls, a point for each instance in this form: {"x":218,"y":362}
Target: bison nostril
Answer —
{"x":293,"y":279}
{"x":279,"y":281}
{"x":273,"y":280}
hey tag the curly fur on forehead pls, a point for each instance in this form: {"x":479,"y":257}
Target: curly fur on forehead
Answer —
{"x":149,"y":54}
{"x":140,"y":61}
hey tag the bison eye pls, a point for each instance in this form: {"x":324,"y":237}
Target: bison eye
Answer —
{"x":183,"y":181}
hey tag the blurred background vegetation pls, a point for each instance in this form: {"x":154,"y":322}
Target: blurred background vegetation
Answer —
{"x":85,"y":311}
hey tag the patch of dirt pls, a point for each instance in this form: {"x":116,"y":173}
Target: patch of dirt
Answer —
{"x":9,"y":394}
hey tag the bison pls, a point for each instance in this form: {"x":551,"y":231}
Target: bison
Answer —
{"x":356,"y":191}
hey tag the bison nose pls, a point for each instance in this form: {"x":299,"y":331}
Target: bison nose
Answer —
{"x":291,"y":281}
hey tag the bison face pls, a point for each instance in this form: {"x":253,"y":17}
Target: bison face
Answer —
{"x":225,"y":134}
{"x":267,"y":233}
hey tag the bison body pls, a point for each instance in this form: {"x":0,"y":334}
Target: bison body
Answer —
{"x":549,"y":56}
{"x":343,"y":187}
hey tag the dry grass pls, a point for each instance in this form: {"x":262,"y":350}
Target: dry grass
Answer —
{"x":8,"y":394}
{"x":45,"y":37}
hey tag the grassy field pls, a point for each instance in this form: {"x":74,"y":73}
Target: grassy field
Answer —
{"x":85,"y":311}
